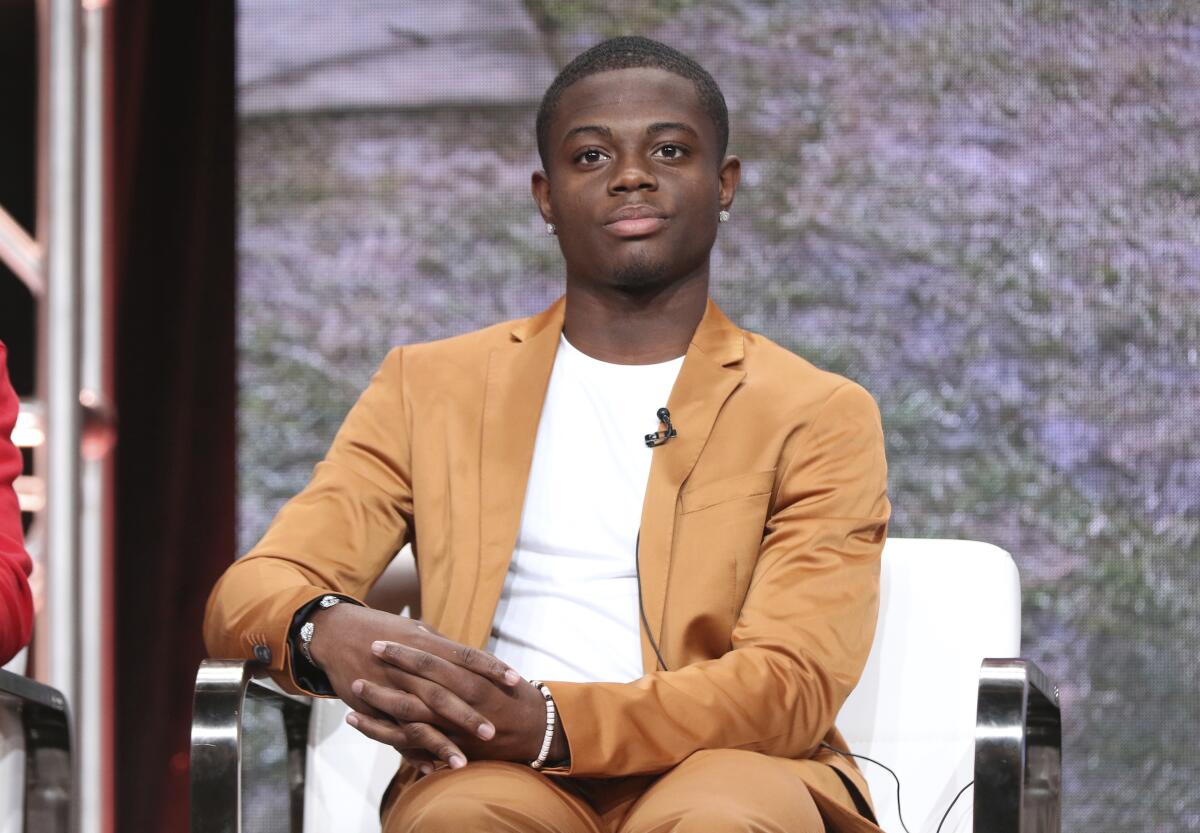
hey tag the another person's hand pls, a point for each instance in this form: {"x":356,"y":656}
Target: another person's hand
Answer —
{"x":515,"y":716}
{"x":342,"y":648}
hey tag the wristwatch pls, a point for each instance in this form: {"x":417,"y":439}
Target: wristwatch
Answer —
{"x":308,"y":628}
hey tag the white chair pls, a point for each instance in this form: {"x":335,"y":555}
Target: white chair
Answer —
{"x":946,"y":607}
{"x":940,"y":702}
{"x":35,"y":758}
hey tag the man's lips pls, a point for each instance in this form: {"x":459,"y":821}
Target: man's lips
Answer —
{"x":635,"y":221}
{"x":636,"y":228}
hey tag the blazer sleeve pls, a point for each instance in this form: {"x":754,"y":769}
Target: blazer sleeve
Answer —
{"x":16,"y":601}
{"x":337,"y":535}
{"x":803,"y":634}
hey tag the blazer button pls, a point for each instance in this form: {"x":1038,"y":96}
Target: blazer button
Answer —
{"x":262,"y":653}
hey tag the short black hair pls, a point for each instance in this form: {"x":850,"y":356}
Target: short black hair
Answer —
{"x":627,"y":53}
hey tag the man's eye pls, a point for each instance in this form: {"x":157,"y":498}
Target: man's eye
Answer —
{"x":590,"y":156}
{"x":670,"y":152}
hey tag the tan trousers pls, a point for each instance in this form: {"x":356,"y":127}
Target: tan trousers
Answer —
{"x":714,"y":791}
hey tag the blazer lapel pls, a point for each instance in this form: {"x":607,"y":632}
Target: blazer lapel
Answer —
{"x":705,"y":382}
{"x":518,"y":374}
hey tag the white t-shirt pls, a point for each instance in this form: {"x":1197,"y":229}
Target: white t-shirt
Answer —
{"x":569,"y":609}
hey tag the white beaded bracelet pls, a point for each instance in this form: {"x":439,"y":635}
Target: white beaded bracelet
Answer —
{"x":551,"y":724}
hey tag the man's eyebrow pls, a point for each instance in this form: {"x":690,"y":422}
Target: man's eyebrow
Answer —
{"x":663,"y":126}
{"x":588,"y":128}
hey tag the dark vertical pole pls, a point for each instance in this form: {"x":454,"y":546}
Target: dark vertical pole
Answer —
{"x":174,"y":145}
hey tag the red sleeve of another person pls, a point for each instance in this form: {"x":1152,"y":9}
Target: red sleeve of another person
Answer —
{"x":16,"y":602}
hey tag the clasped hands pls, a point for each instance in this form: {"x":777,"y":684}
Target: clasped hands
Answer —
{"x":431,"y":698}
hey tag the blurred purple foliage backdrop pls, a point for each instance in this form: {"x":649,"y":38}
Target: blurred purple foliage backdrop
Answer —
{"x":986,"y":213}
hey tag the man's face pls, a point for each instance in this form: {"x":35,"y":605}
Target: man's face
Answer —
{"x":634,"y":180}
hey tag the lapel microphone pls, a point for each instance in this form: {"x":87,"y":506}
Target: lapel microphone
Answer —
{"x":660,"y":437}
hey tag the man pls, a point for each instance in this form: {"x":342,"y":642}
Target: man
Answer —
{"x":699,"y":602}
{"x":16,"y":602}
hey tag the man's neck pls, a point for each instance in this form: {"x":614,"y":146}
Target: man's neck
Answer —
{"x":623,"y":327}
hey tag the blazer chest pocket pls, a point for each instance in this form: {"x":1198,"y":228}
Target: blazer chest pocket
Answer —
{"x":714,"y":492}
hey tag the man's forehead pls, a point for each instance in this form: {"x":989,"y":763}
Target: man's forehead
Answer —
{"x":644,"y":93}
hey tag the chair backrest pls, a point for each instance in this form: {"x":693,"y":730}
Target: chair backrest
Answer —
{"x":944,"y":607}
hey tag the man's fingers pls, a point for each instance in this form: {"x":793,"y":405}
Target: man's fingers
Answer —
{"x":425,"y":702}
{"x":363,"y":707}
{"x":384,"y":731}
{"x":430,"y":666}
{"x":411,"y":736}
{"x":472,"y":659}
{"x":400,"y":706}
{"x":485,"y":665}
{"x":419,"y":758}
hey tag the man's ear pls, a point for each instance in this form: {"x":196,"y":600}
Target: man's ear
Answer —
{"x":728,"y":177}
{"x":539,"y":186}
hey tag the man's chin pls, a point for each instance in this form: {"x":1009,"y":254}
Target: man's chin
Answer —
{"x":640,"y":274}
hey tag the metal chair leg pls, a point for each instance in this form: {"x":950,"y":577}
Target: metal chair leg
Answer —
{"x":1018,"y":750}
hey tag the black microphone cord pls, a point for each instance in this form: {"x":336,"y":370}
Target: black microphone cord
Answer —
{"x":877,"y":763}
{"x":652,"y":441}
{"x":896,"y":778}
{"x":637,"y":561}
{"x":954,"y":801}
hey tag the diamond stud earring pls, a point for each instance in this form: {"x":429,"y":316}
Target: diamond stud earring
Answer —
{"x":723,"y":216}
{"x":550,"y":229}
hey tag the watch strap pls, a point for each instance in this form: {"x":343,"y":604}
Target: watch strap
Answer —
{"x":305,"y":673}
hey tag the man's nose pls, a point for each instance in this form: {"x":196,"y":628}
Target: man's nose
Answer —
{"x":632,"y":177}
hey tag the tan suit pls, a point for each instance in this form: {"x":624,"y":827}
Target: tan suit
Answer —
{"x":761,"y":534}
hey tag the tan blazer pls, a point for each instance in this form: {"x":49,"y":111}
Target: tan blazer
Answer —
{"x":761,"y":535}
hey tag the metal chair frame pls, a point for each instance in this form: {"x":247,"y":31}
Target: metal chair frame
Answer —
{"x":50,"y":805}
{"x":1018,"y":747}
{"x":218,"y":709}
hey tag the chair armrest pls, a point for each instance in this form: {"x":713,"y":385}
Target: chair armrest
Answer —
{"x":46,"y":724}
{"x":241,"y":726}
{"x":1018,"y":750}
